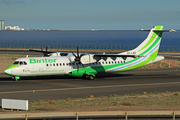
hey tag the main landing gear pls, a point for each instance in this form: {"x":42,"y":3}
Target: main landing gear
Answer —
{"x":90,"y":77}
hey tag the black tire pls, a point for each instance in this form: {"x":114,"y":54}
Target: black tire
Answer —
{"x":14,"y":79}
{"x":91,"y":77}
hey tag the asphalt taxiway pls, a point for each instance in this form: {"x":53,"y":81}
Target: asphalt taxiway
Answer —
{"x":62,"y":87}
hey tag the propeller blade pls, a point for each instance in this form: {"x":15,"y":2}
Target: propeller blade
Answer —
{"x":82,"y":65}
{"x":45,"y":54}
{"x":78,"y":50}
{"x":74,"y":54}
{"x":42,"y":51}
{"x":77,"y":66}
{"x":47,"y":46}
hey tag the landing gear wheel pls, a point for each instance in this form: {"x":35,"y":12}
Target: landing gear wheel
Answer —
{"x":91,"y":77}
{"x":16,"y":78}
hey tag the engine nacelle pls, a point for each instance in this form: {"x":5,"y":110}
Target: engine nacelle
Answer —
{"x":54,"y":54}
{"x":58,"y":54}
{"x":86,"y":59}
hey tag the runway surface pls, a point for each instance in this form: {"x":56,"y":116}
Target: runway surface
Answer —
{"x":136,"y":81}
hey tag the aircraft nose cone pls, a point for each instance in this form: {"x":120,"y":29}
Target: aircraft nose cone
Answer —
{"x":8,"y":71}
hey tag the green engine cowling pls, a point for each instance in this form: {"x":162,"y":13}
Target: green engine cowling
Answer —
{"x":77,"y":73}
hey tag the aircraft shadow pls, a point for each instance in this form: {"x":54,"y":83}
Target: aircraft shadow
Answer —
{"x":111,"y":75}
{"x":98,"y":76}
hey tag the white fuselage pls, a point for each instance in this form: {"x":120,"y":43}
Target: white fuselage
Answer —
{"x":61,"y":65}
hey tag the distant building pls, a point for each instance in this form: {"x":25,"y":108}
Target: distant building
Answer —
{"x":2,"y":25}
{"x":13,"y":28}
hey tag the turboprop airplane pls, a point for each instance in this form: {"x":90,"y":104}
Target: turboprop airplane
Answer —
{"x":88,"y":65}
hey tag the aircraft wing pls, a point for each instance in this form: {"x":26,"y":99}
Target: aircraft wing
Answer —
{"x":116,"y":55}
{"x":42,"y":51}
{"x":46,"y":53}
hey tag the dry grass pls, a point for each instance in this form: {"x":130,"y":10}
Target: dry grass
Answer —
{"x":153,"y":101}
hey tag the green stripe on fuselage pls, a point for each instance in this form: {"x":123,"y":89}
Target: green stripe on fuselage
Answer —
{"x":155,"y":42}
{"x":152,"y":37}
{"x":12,"y":66}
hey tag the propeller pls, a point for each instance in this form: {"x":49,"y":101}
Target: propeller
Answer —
{"x":45,"y":53}
{"x":78,"y":58}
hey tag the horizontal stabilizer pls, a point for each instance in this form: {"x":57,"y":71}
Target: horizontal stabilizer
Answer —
{"x":171,"y":30}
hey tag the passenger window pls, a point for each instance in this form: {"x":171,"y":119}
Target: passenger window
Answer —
{"x":54,"y":64}
{"x":109,"y":62}
{"x":60,"y":64}
{"x":63,"y":64}
{"x":67,"y":64}
{"x":50,"y":64}
{"x":47,"y":65}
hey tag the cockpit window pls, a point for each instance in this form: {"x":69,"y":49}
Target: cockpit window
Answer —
{"x":16,"y":63}
{"x":19,"y":63}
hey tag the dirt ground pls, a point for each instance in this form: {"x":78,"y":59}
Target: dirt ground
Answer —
{"x":124,"y":108}
{"x":166,"y":101}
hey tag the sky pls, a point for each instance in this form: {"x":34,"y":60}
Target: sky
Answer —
{"x":91,"y":14}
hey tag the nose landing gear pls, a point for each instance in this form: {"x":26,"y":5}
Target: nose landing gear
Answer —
{"x":15,"y":78}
